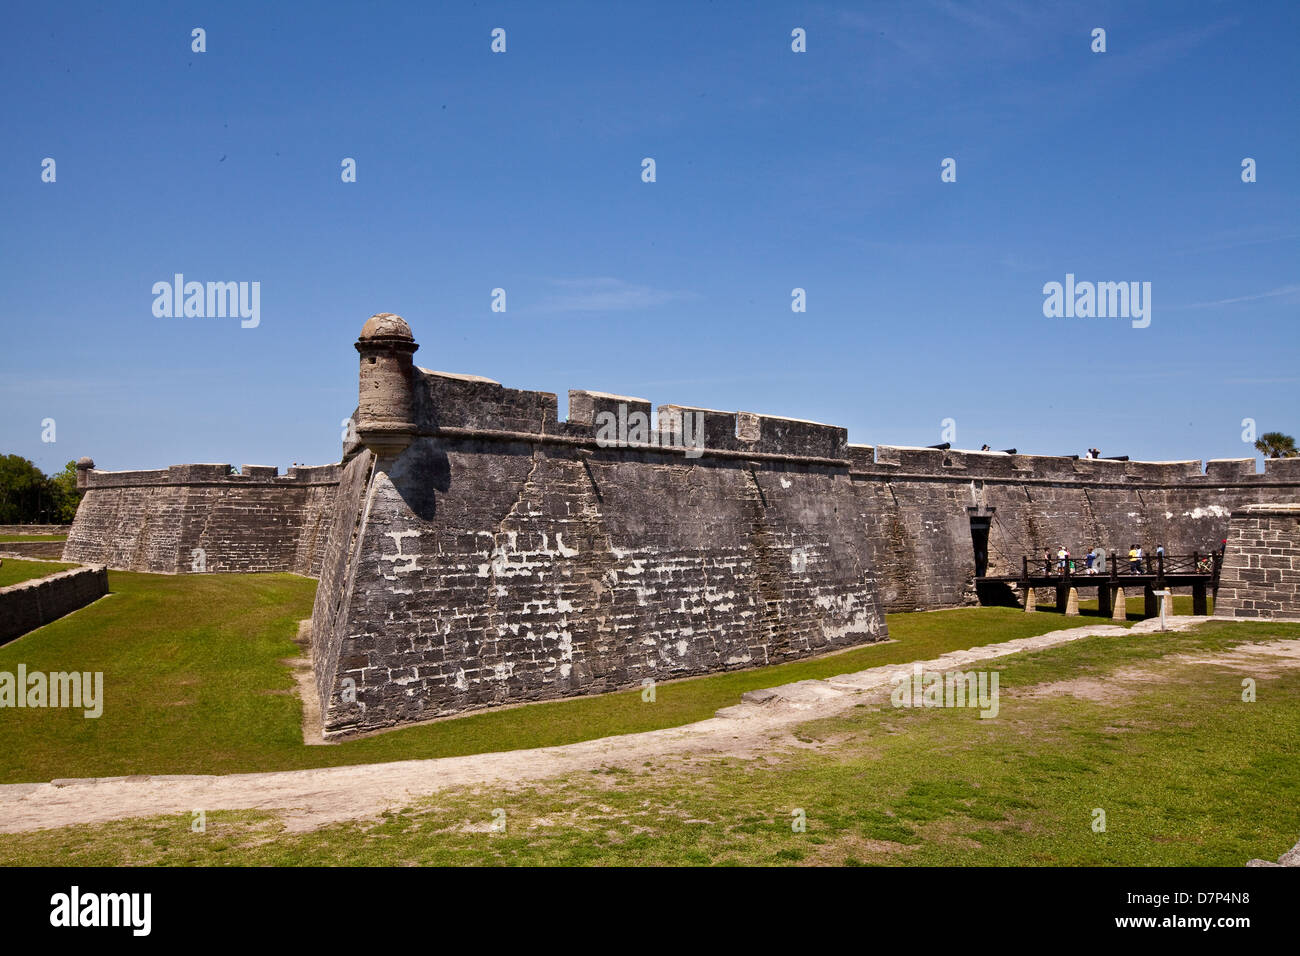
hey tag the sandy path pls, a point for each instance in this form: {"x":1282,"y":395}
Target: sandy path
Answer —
{"x":313,"y":798}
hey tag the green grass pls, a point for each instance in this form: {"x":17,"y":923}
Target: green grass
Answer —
{"x":16,"y":570}
{"x":1134,"y":608}
{"x":1186,"y":772}
{"x":6,"y":538}
{"x":194,"y":683}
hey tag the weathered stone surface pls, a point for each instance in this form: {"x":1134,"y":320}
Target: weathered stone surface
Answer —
{"x":384,"y":420}
{"x":1261,"y":564}
{"x":30,"y":604}
{"x":476,"y":572}
{"x":47,"y":550}
{"x":157,"y":520}
{"x":475,"y":550}
{"x":912,"y":504}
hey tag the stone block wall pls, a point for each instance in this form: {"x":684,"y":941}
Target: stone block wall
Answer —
{"x":914,"y":506}
{"x":156,"y":520}
{"x":49,"y":550}
{"x":31,"y":604}
{"x":7,"y":529}
{"x":474,"y":550}
{"x":1261,"y":566}
{"x":506,"y":557}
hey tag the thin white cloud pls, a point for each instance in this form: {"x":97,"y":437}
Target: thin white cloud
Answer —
{"x":1285,"y":290}
{"x":1261,"y":381}
{"x":1234,"y":239}
{"x":604,"y":294}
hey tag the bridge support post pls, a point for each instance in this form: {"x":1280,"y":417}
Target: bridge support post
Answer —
{"x":1072,"y":603}
{"x":1199,"y":605}
{"x":1103,"y":599}
{"x":1062,"y":596}
{"x":1150,"y":604}
{"x":1031,"y":604}
{"x":1120,"y":613}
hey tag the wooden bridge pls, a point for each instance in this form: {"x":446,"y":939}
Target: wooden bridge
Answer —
{"x":1160,"y":572}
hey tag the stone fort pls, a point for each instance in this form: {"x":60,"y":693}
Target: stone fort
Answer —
{"x":473,"y":550}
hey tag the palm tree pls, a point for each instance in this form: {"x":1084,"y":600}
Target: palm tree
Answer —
{"x":1276,"y":445}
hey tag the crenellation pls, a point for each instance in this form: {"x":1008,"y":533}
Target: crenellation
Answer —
{"x":311,"y":474}
{"x":114,"y":479}
{"x":1162,"y":471}
{"x":1106,"y":469}
{"x":194,"y":473}
{"x":259,"y":471}
{"x":585,"y":408}
{"x":1284,"y":469}
{"x":208,"y":474}
{"x":911,"y":460}
{"x":791,"y":436}
{"x":446,"y":400}
{"x":862,"y":458}
{"x":1048,"y":467}
{"x":1230,"y":469}
{"x":204,"y":518}
{"x":473,"y":550}
{"x":720,"y":428}
{"x":982,"y":464}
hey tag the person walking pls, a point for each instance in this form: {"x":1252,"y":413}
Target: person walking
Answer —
{"x":1133,"y":565}
{"x":1088,"y":560}
{"x":1140,"y":556}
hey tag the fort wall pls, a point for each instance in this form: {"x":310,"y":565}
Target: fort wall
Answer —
{"x":10,"y":529}
{"x":44,"y":550}
{"x":473,"y":549}
{"x":915,"y":505}
{"x":31,"y":604}
{"x":490,"y":553}
{"x":164,"y":520}
{"x":505,"y":556}
{"x":1261,"y":565}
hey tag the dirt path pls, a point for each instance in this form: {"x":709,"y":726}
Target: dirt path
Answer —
{"x":1251,"y":660}
{"x":314,"y":798}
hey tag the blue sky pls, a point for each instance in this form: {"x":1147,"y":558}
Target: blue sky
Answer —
{"x":775,"y":170}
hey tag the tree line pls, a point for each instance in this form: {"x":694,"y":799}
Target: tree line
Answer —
{"x":1276,"y":445}
{"x":28,"y":496}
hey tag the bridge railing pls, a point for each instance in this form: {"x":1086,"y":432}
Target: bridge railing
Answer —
{"x":1118,"y":565}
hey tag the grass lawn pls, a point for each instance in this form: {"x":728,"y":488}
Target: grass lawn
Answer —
{"x":5,"y":538}
{"x":16,"y":570}
{"x":1134,"y":607}
{"x":194,"y":683}
{"x":1186,"y":772}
